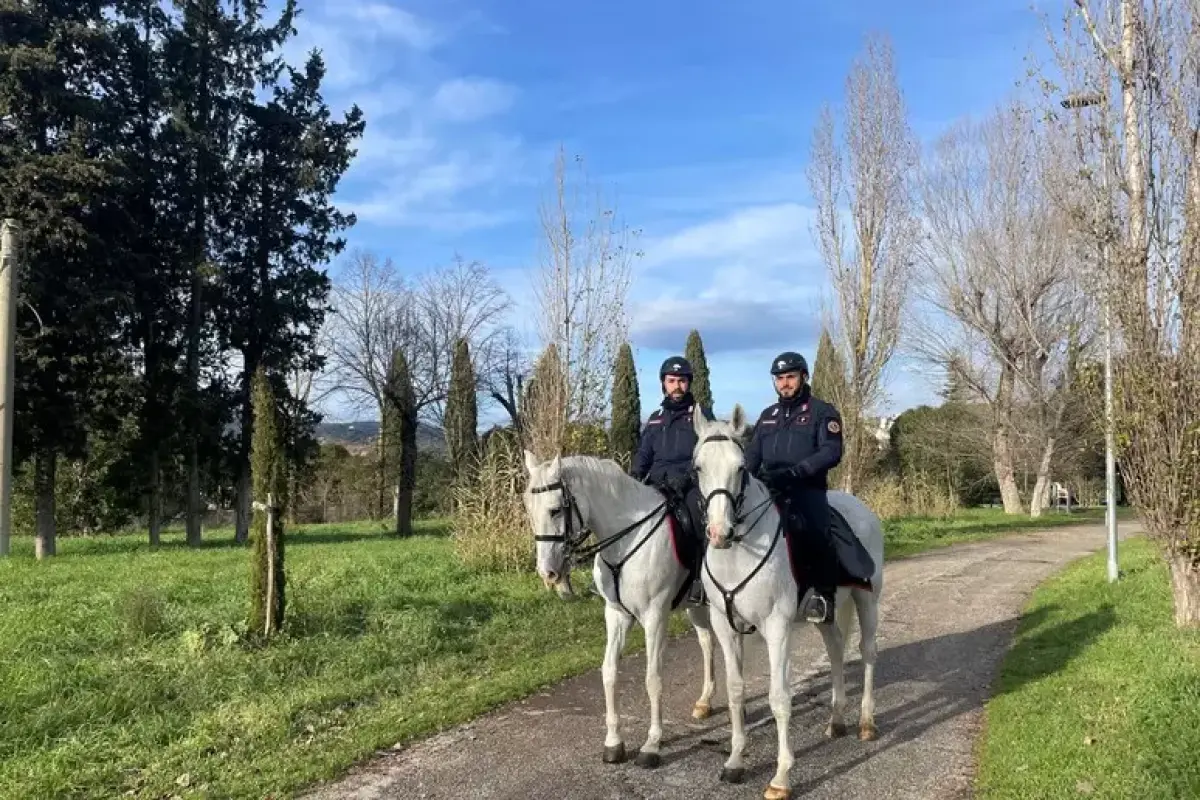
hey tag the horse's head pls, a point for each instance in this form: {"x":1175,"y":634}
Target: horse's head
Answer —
{"x":719,"y":462}
{"x":556,"y":521}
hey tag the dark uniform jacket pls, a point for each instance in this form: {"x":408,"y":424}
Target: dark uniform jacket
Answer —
{"x":668,"y":440}
{"x":803,"y":432}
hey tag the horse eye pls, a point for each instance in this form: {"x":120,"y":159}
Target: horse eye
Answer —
{"x":556,"y":512}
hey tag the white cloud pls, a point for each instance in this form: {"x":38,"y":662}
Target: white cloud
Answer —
{"x":471,"y":99}
{"x":778,"y":231}
{"x":423,"y":192}
{"x":387,"y":21}
{"x":426,"y":143}
{"x":748,"y":280}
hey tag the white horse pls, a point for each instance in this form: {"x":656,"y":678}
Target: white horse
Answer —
{"x":753,"y":583}
{"x":635,"y":569}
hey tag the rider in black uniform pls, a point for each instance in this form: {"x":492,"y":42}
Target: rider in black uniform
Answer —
{"x":664,"y":456}
{"x":796,"y":442}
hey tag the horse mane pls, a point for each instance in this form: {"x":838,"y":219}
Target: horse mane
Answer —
{"x":610,"y":481}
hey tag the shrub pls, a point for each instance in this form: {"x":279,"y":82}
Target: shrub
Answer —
{"x":489,"y":526}
{"x":892,"y":498}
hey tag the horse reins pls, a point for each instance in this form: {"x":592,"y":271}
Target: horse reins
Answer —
{"x":572,"y":544}
{"x":739,"y":518}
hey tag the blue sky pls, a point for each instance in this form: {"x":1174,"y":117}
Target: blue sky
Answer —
{"x":696,"y":115}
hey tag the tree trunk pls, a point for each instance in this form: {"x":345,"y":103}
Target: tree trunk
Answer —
{"x":408,"y":473}
{"x":154,"y":497}
{"x":1041,"y":487}
{"x":242,"y":501}
{"x":194,"y":509}
{"x":44,"y":468}
{"x":1185,"y":586}
{"x":1002,"y":456}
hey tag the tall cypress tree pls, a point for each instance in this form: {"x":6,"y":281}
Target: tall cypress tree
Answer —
{"x":269,"y":475}
{"x":701,"y":387}
{"x":399,"y":432}
{"x":828,"y":370}
{"x":626,"y":406}
{"x":462,"y":417}
{"x":828,"y":380}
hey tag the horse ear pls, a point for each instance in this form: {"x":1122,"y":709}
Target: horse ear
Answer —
{"x":556,"y":465}
{"x":699,"y":423}
{"x":739,"y":418}
{"x":530,"y":462}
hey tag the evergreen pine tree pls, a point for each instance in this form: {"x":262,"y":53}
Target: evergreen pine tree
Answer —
{"x":626,"y":406}
{"x":701,"y":387}
{"x":58,"y":181}
{"x":462,"y":417}
{"x":269,"y":476}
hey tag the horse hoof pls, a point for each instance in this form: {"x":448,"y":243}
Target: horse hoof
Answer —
{"x":774,"y":792}
{"x":835,"y":729}
{"x":701,"y":711}
{"x":648,"y":760}
{"x":867,"y":732}
{"x":614,"y":754}
{"x":732,"y":774}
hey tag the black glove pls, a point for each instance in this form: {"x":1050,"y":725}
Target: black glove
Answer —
{"x":782,"y":477}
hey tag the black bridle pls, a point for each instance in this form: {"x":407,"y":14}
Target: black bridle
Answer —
{"x":739,"y":520}
{"x":573,"y":542}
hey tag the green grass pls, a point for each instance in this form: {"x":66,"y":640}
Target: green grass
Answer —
{"x":1100,"y":694}
{"x":912,"y":535}
{"x":124,"y":672}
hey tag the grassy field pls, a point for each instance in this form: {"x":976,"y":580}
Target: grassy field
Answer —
{"x":124,"y":673}
{"x":1100,"y":695}
{"x":911,"y":535}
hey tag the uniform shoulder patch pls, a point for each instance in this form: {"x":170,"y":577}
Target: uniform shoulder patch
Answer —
{"x":834,"y":426}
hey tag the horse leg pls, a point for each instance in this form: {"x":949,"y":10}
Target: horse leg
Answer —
{"x":656,"y":641}
{"x":835,"y":647}
{"x":704,"y":633}
{"x":778,"y":633}
{"x":735,"y":691}
{"x":618,"y":624}
{"x":867,"y":604}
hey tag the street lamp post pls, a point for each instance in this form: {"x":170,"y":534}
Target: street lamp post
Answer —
{"x":1076,"y":101}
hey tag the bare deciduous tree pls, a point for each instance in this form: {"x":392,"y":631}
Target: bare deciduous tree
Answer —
{"x":503,"y":367}
{"x":869,"y":268}
{"x":377,"y":312}
{"x":1008,"y":314}
{"x":582,"y":288}
{"x":1148,"y":55}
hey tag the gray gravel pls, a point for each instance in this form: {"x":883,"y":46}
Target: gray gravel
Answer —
{"x":946,"y":621}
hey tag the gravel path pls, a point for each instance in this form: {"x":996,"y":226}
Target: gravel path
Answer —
{"x":946,"y":622}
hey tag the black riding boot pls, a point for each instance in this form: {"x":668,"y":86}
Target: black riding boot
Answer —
{"x":821,"y":559}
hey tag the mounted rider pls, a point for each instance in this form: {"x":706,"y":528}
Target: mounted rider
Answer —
{"x":796,"y":442}
{"x":664,"y":456}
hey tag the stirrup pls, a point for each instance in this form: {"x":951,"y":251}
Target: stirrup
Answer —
{"x":695,"y":593}
{"x":816,"y":608}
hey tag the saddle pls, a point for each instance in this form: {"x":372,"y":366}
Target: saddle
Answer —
{"x":855,"y":564}
{"x":686,"y":542}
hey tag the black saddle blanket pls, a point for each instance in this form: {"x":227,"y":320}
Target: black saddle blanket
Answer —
{"x":854,"y":562}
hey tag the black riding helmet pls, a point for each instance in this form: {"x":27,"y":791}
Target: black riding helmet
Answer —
{"x":788,"y":362}
{"x":676,"y":365}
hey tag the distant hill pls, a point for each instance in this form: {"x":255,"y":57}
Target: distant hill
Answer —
{"x":362,"y":435}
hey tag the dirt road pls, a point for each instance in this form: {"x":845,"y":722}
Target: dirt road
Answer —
{"x":947,"y":619}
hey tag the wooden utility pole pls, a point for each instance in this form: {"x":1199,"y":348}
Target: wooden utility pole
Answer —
{"x":8,"y":358}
